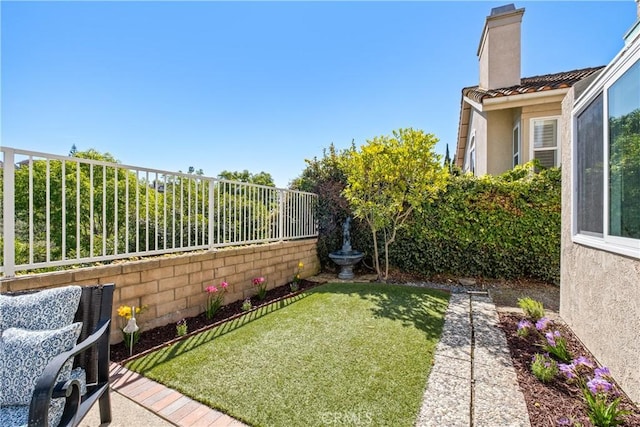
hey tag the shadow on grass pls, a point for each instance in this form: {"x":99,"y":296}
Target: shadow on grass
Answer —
{"x":144,"y":363}
{"x":420,"y":308}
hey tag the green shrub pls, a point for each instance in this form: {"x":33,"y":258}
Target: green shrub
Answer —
{"x":533,"y":309}
{"x":544,"y":368}
{"x":505,"y":226}
{"x":496,"y":227}
{"x":324,"y":177}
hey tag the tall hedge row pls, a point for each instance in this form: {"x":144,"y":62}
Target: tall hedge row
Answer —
{"x":497,"y":227}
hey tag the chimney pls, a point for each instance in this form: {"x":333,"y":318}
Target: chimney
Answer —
{"x":499,"y":50}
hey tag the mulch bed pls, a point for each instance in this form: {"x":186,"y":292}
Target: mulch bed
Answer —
{"x":551,"y":404}
{"x":157,"y":337}
{"x":547,"y":403}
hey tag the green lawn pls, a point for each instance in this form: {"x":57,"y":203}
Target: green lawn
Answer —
{"x":344,"y":354}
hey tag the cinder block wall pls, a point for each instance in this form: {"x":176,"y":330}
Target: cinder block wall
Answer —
{"x":173,"y":287}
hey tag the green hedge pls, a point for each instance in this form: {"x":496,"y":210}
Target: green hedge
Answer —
{"x":495,"y":227}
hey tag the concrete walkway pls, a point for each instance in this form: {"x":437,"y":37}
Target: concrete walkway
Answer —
{"x":472,"y":383}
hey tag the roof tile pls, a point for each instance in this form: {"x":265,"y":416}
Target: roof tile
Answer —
{"x":532,"y":84}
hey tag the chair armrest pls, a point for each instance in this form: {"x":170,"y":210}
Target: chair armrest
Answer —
{"x":71,"y":391}
{"x":44,"y":388}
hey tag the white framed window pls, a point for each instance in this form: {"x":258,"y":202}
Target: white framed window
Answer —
{"x":471,"y":161}
{"x":516,"y":145}
{"x":544,"y":141}
{"x":606,"y":160}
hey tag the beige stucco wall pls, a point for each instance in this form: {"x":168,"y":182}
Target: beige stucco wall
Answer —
{"x":172,"y":287}
{"x":499,"y":141}
{"x":499,"y":51}
{"x":599,"y":291}
{"x":494,"y":135}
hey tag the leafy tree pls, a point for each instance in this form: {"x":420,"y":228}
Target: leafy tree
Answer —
{"x":324,"y":177}
{"x":194,"y":171}
{"x":447,"y":159}
{"x":261,"y":178}
{"x":388,"y":179}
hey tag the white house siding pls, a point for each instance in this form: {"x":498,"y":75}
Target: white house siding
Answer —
{"x":599,"y":291}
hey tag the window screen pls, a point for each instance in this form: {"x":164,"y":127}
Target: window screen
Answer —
{"x":589,"y":169}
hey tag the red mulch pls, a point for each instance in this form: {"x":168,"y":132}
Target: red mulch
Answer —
{"x":558,"y":400}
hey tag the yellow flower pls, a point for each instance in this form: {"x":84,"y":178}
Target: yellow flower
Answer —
{"x":125,"y":311}
{"x":300,"y":265}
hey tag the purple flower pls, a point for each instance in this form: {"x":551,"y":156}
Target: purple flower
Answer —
{"x":524,"y":324}
{"x":599,"y":385}
{"x":567,"y":370}
{"x":583,"y":361}
{"x":602,"y":372}
{"x":551,"y":337}
{"x":542,"y":324}
{"x":563,"y":421}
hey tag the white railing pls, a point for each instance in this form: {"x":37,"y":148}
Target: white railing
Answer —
{"x":59,"y":211}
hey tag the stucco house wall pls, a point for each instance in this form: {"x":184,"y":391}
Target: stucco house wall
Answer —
{"x":599,"y":290}
{"x":499,"y":137}
{"x":503,"y":99}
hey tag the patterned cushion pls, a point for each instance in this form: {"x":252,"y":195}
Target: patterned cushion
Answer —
{"x":18,"y":415}
{"x":25,"y":354}
{"x":80,"y":375}
{"x":46,"y":309}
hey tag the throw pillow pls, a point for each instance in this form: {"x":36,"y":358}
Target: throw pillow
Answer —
{"x":46,"y":309}
{"x":25,"y":354}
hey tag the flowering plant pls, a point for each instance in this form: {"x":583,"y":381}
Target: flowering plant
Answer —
{"x":182,"y":328}
{"x":215,"y":297}
{"x":261,"y":284}
{"x":544,"y":367}
{"x":598,"y":389}
{"x":603,"y":400}
{"x":557,"y":346}
{"x":246,"y":305}
{"x":552,"y":342}
{"x":295,"y":284}
{"x":125,"y":313}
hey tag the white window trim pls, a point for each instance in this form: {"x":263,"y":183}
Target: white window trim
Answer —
{"x":532,"y":149}
{"x":471,"y":148}
{"x":611,"y":74}
{"x":513,"y":155}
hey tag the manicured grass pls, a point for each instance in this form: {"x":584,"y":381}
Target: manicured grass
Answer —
{"x":337,"y":354}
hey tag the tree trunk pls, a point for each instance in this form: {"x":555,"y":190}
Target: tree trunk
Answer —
{"x":376,"y":261}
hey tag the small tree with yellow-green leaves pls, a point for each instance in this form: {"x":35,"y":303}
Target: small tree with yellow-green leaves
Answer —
{"x":387,"y":179}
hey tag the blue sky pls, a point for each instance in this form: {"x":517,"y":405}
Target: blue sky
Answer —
{"x":262,"y":85}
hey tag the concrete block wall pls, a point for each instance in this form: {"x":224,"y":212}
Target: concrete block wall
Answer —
{"x":173,"y":287}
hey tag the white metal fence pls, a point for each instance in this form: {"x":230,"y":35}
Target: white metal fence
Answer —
{"x":59,"y":211}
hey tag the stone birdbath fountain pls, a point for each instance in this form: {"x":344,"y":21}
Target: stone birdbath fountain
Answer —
{"x":346,"y":257}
